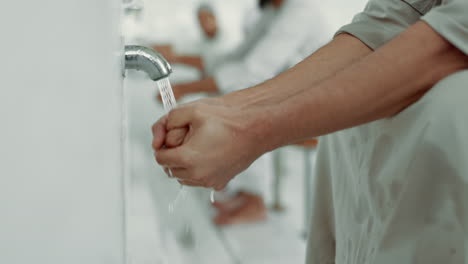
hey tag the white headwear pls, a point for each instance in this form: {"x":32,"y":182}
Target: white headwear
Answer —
{"x":205,"y":7}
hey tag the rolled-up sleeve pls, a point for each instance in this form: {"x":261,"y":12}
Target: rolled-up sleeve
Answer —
{"x":450,"y":20}
{"x":381,"y":21}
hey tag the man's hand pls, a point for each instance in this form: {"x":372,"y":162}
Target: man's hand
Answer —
{"x":207,"y":143}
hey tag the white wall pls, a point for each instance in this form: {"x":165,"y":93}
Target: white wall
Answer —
{"x":61,"y":198}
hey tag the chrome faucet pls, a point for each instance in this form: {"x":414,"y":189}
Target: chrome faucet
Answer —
{"x":148,"y":60}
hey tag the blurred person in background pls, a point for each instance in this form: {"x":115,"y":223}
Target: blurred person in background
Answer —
{"x":275,"y":41}
{"x":272,"y":44}
{"x":218,"y":35}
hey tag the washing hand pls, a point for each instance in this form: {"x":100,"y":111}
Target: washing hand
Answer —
{"x":208,"y":142}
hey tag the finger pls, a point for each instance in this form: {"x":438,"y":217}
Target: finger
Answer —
{"x":187,"y":175}
{"x":159,"y":133}
{"x":188,"y":181}
{"x":219,"y":187}
{"x":175,"y":137}
{"x":191,"y":184}
{"x":171,"y":158}
{"x":175,"y":172}
{"x":168,"y":172}
{"x":180,"y":117}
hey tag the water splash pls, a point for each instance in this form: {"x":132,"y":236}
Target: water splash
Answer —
{"x":165,"y":89}
{"x":185,"y":235}
{"x":169,"y":103}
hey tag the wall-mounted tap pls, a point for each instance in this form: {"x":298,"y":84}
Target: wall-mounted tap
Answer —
{"x":148,"y":60}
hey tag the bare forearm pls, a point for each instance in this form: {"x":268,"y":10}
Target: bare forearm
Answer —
{"x":378,"y":86}
{"x":343,"y":51}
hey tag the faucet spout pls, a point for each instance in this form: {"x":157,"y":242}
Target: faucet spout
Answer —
{"x":148,"y":60}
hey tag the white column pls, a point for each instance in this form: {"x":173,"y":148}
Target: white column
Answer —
{"x":61,"y":194}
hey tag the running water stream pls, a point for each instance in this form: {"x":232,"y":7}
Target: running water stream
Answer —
{"x":169,"y":103}
{"x":176,"y":209}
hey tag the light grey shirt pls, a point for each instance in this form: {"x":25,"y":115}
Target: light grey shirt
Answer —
{"x":382,"y":20}
{"x":393,"y":191}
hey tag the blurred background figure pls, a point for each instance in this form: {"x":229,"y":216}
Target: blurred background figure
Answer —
{"x":277,"y":35}
{"x":215,"y":40}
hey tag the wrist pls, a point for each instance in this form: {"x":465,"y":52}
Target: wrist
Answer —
{"x":256,"y":96}
{"x":261,"y":120}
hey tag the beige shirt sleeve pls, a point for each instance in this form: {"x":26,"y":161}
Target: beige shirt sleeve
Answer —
{"x":381,"y":21}
{"x":450,"y":20}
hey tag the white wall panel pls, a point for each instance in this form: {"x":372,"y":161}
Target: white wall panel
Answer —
{"x":61,"y":198}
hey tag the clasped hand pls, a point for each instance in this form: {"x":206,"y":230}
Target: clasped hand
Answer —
{"x":206,"y":143}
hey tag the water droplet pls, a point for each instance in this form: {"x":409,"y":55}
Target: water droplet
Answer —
{"x":212,"y":196}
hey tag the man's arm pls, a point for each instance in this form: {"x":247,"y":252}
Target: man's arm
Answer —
{"x":226,"y":135}
{"x":378,"y":86}
{"x":341,"y":52}
{"x":347,"y":48}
